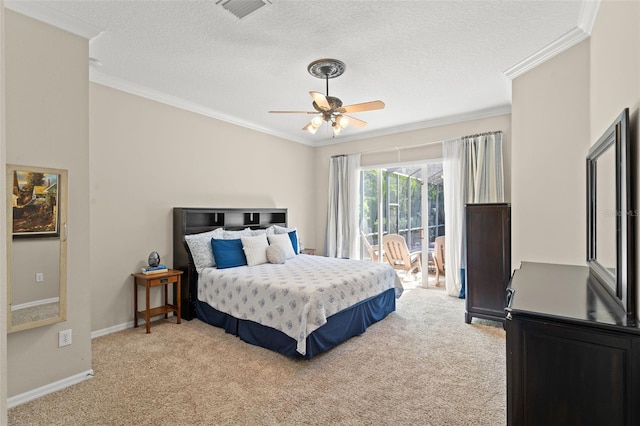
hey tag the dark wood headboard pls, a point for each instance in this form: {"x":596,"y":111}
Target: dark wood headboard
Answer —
{"x":193,"y":220}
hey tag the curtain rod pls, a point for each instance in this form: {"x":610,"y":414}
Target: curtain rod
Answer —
{"x":494,"y":132}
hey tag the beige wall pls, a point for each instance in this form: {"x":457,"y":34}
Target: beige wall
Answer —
{"x":559,"y":110}
{"x":3,"y":234}
{"x":47,"y":114}
{"x":615,"y":73}
{"x":147,"y":157}
{"x":407,"y":147}
{"x":550,"y":125}
{"x":28,"y":257}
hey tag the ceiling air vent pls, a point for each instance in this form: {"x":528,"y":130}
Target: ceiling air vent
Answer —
{"x":242,"y":8}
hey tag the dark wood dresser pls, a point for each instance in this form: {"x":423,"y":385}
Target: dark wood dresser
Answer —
{"x":488,"y":251}
{"x":573,"y":358}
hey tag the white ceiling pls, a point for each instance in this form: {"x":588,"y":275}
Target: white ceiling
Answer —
{"x":431,"y":62}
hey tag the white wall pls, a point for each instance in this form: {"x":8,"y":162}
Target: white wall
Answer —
{"x":550,"y":125}
{"x":47,"y":113}
{"x":147,"y":157}
{"x":413,"y":146}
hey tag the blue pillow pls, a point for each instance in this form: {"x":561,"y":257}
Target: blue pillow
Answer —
{"x":228,"y":253}
{"x":293,"y":235}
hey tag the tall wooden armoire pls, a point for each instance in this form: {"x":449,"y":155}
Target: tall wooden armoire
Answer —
{"x":488,"y":254}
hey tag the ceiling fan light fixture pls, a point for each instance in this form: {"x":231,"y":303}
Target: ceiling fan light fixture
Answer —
{"x":330,"y":108}
{"x":311,"y":128}
{"x":316,"y":121}
{"x":342,"y":121}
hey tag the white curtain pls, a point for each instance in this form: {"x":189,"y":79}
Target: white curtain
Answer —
{"x":473,"y":173}
{"x":342,"y":216}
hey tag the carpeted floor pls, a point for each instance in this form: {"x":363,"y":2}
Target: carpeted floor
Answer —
{"x":422,"y":365}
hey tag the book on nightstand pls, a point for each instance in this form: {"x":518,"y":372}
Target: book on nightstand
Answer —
{"x":155,"y":269}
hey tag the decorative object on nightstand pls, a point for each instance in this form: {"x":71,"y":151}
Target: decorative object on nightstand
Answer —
{"x":171,"y":276}
{"x":160,"y":269}
{"x":155,"y":267}
{"x":154,"y":259}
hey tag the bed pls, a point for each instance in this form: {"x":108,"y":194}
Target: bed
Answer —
{"x":299,"y":308}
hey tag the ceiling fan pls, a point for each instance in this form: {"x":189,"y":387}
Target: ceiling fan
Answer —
{"x":329,"y":108}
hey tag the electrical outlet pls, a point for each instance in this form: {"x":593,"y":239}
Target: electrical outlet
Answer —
{"x":64,"y":338}
{"x":39,"y":277}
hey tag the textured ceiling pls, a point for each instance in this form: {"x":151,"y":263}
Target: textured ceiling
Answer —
{"x":429,"y":61}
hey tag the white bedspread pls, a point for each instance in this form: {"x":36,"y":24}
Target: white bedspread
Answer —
{"x":298,"y":296}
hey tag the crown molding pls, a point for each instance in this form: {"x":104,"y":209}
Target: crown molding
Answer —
{"x":40,"y":12}
{"x":570,"y":39}
{"x":155,"y":95}
{"x":588,"y":15}
{"x":443,"y":121}
{"x":582,"y":31}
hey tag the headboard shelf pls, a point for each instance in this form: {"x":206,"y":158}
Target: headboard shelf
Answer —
{"x":194,"y":220}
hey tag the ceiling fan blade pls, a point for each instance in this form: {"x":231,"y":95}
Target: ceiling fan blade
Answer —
{"x":320,"y":100}
{"x":355,"y":122}
{"x":365,"y":106}
{"x":293,"y":112}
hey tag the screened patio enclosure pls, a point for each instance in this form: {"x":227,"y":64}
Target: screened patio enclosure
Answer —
{"x":393,"y":201}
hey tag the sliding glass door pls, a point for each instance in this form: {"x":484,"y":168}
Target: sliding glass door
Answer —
{"x":393,"y":200}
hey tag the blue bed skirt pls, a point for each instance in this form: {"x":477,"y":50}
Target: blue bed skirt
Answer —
{"x":339,"y":327}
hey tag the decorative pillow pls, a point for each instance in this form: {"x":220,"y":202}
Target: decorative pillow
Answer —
{"x":276,"y":254}
{"x":293,"y":234}
{"x":200,"y":248}
{"x":228,"y":253}
{"x":233,"y":235}
{"x":282,"y":230}
{"x":284,"y":242}
{"x":255,"y":249}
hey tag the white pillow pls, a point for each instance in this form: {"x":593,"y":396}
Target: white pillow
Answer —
{"x":200,"y":248}
{"x":282,"y":230}
{"x":283,"y":241}
{"x":234,"y":235}
{"x":255,"y":249}
{"x":275,"y":254}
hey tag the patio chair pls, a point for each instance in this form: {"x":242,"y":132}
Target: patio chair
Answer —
{"x":438,"y":257}
{"x":397,"y":254}
{"x":374,"y":250}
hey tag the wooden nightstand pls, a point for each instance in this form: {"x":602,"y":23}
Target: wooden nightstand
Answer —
{"x":152,"y":280}
{"x":308,"y":251}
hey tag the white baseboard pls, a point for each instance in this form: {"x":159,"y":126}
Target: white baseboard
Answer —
{"x":64,"y":383}
{"x":124,"y":326}
{"x":35,"y":303}
{"x":47,"y":389}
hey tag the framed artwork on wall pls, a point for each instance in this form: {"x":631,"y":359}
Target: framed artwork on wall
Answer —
{"x":35,"y":199}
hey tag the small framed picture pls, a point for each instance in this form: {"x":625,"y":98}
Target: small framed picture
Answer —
{"x":35,"y":200}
